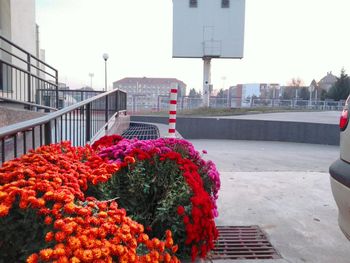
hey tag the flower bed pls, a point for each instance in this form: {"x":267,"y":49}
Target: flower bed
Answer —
{"x":70,"y":204}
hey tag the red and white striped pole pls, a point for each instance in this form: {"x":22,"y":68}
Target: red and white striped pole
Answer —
{"x":172,"y":111}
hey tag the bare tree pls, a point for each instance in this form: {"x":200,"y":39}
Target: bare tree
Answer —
{"x":292,"y":89}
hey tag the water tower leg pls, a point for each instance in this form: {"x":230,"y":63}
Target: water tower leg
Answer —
{"x":206,"y":81}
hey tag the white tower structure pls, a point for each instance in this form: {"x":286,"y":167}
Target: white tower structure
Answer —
{"x":208,"y":29}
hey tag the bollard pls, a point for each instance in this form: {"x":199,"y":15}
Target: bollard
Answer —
{"x":172,"y":111}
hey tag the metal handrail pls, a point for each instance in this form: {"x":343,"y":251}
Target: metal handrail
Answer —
{"x":13,"y":55}
{"x":27,"y":72}
{"x":74,"y":90}
{"x":34,"y":72}
{"x":18,"y":127}
{"x":28,"y":104}
{"x":24,"y":51}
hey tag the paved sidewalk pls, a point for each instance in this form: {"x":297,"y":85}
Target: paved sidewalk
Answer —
{"x":284,"y":188}
{"x":329,"y":117}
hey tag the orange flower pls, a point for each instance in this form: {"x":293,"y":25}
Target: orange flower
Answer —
{"x":102,"y":214}
{"x":59,"y":251}
{"x":33,"y":258}
{"x":45,"y":254}
{"x":169,"y":242}
{"x":69,"y":208}
{"x":60,"y":236}
{"x":105,"y":251}
{"x":88,"y":255}
{"x":174,"y":248}
{"x":167,"y":257}
{"x":3,"y":195}
{"x":81,"y":224}
{"x":63,"y":259}
{"x":74,"y":243}
{"x":48,"y":220}
{"x":97,"y":253}
{"x":120,"y":250}
{"x":49,"y":236}
{"x":4,"y":210}
{"x":74,"y":260}
{"x":58,"y":224}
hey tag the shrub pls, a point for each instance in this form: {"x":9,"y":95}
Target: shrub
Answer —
{"x":165,"y":184}
{"x":46,"y":216}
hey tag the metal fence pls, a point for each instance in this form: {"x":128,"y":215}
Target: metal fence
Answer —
{"x":22,"y":74}
{"x":80,"y":123}
{"x":189,"y":103}
{"x":66,"y":97}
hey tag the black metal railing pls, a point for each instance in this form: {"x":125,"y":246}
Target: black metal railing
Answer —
{"x":80,"y":123}
{"x":66,"y":97}
{"x":22,"y":74}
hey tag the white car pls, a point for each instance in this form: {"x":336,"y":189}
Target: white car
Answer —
{"x":340,"y":173}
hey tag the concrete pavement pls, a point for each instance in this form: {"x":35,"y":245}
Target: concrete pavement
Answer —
{"x":284,"y":188}
{"x":328,"y":117}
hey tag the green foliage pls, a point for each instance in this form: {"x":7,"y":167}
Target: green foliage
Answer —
{"x":289,"y":93}
{"x":341,"y":89}
{"x":150,"y":191}
{"x":323,"y":95}
{"x":193,"y":93}
{"x":304,"y":93}
{"x":22,"y":233}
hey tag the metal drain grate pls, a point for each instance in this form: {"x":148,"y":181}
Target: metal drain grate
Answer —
{"x":141,"y":131}
{"x":243,"y":242}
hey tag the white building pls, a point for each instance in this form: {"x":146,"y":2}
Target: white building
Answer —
{"x":147,"y":93}
{"x":243,"y":94}
{"x":17,"y":24}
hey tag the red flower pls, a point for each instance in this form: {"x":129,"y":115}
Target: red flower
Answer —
{"x":180,"y":210}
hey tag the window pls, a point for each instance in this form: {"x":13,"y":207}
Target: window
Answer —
{"x":193,"y":3}
{"x":225,"y":3}
{"x":1,"y":78}
{"x":5,"y":78}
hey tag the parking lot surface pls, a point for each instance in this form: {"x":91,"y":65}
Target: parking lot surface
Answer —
{"x":284,"y":188}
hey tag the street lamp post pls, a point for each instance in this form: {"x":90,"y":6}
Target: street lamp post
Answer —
{"x":105,"y":57}
{"x":91,"y":76}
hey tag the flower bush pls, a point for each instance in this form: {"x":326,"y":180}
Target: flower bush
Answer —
{"x":46,"y":216}
{"x":70,"y":204}
{"x":164,"y":184}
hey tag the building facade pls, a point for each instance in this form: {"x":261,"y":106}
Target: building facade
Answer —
{"x":17,"y":24}
{"x":148,"y":93}
{"x":327,"y":81}
{"x":243,"y":94}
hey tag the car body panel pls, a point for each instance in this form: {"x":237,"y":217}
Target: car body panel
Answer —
{"x":341,"y":195}
{"x":340,"y":177}
{"x":345,"y":139}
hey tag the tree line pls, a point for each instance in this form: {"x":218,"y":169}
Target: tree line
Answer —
{"x":339,"y":91}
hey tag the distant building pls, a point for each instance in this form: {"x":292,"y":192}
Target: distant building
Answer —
{"x":147,"y":92}
{"x":242,"y":94}
{"x":270,"y":91}
{"x":327,"y":81}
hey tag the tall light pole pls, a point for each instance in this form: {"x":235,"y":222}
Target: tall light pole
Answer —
{"x":105,"y":57}
{"x":91,"y":76}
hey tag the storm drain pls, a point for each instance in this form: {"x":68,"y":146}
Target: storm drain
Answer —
{"x":141,"y":131}
{"x":243,"y":242}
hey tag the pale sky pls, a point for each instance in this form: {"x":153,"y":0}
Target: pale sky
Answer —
{"x":283,"y":39}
